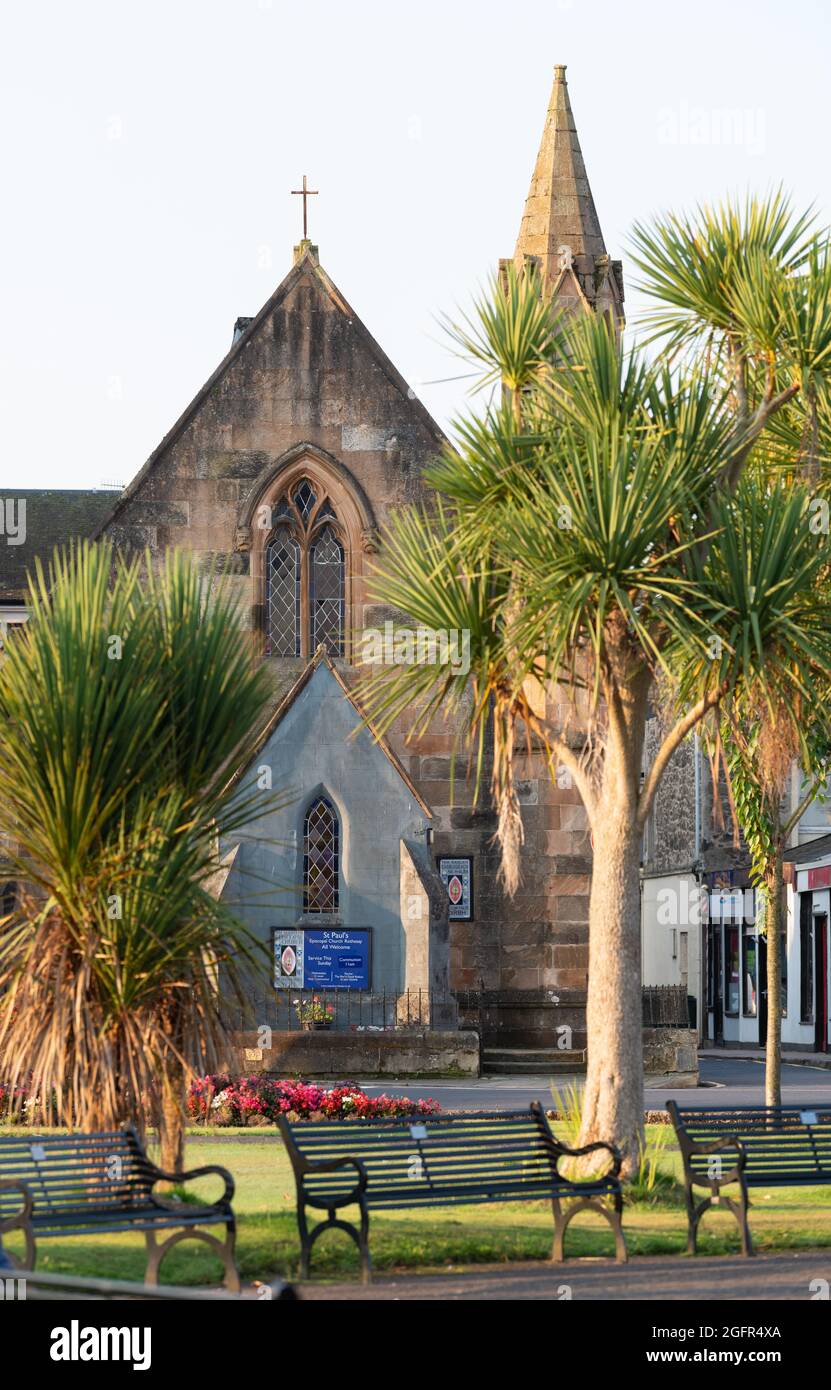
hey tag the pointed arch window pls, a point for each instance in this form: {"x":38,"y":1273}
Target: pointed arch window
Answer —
{"x":321,"y":858}
{"x":305,"y":575}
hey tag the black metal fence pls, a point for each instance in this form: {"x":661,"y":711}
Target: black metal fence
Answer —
{"x":355,"y":1010}
{"x":375,"y":1011}
{"x":665,"y":1006}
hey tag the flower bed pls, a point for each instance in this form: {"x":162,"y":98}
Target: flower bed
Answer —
{"x":258,"y":1100}
{"x":248,"y":1100}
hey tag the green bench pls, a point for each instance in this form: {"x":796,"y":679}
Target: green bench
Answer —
{"x":440,"y":1160}
{"x":84,"y":1184}
{"x":766,"y":1146}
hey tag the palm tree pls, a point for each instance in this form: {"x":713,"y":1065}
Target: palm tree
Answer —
{"x":759,"y":754}
{"x":125,"y":704}
{"x":609,"y":528}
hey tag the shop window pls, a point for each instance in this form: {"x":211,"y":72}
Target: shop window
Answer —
{"x":732,"y":969}
{"x":750,"y":974}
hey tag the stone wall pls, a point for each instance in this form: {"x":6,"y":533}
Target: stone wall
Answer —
{"x":669,"y":842}
{"x":671,"y":1055}
{"x":529,"y":1018}
{"x":360,"y":1054}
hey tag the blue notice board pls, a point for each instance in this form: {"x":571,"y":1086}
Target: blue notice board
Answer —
{"x":335,"y":959}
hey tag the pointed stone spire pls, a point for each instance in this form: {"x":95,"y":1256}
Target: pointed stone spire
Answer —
{"x":560,"y":228}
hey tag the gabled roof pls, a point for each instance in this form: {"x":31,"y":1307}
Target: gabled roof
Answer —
{"x":54,"y":516}
{"x":284,"y":705}
{"x":307,"y":267}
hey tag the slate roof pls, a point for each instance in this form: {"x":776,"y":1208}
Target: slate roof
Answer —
{"x":811,"y":850}
{"x":285,"y":703}
{"x":53,"y":517}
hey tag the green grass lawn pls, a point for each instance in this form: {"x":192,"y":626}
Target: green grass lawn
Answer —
{"x":267,"y":1243}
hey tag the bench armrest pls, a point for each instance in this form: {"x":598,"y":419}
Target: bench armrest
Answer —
{"x":302,"y":1165}
{"x":11,"y":1223}
{"x":612,"y":1149}
{"x":212,"y":1168}
{"x":331,"y":1165}
{"x":21,"y":1220}
{"x":703,"y":1147}
{"x":689,"y":1147}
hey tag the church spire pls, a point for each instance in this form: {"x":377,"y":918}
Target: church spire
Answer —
{"x":560,"y":228}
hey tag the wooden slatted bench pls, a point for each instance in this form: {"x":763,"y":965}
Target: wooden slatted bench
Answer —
{"x":80,"y":1184}
{"x":772,"y":1146}
{"x":440,"y":1160}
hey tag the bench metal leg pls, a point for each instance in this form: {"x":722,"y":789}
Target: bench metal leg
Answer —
{"x":223,"y":1248}
{"x":613,"y":1214}
{"x":360,"y":1235}
{"x":695,"y":1211}
{"x":20,"y":1221}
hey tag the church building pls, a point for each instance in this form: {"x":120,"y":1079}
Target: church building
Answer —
{"x":282,"y":472}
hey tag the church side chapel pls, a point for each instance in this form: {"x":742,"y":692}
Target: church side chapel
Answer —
{"x":282,"y":472}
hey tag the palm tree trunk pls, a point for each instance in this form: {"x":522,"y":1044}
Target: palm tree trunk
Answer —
{"x":774,"y":890}
{"x":613,"y":1097}
{"x":172,"y":1121}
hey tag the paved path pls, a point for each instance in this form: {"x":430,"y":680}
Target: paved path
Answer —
{"x":728,"y":1080}
{"x":657,"y":1278}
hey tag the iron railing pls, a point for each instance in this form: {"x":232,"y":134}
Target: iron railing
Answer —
{"x":373,"y":1011}
{"x":665,"y":1006}
{"x":354,"y":1010}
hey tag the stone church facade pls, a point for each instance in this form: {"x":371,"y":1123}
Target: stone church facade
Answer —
{"x":282,"y":473}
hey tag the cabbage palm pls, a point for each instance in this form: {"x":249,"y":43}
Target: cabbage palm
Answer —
{"x":124,"y":705}
{"x":610,"y":530}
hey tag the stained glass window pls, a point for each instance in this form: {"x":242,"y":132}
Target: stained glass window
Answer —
{"x":283,"y":581}
{"x":321,"y":858}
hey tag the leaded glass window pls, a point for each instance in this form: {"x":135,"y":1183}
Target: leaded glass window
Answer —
{"x":326,"y":592}
{"x":321,"y":857}
{"x":304,"y":499}
{"x":283,"y":580}
{"x":305,"y":575}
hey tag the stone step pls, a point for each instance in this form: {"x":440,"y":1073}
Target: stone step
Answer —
{"x":516,"y":1061}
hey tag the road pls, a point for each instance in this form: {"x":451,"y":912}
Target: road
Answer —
{"x":728,"y":1081}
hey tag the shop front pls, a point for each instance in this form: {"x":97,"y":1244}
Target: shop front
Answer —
{"x":736,"y":969}
{"x":808,"y":870}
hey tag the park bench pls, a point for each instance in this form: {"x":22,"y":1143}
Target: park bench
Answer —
{"x":440,"y":1160}
{"x":82,"y":1184}
{"x":772,"y":1146}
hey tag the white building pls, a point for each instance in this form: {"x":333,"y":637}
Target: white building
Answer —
{"x":700,"y":916}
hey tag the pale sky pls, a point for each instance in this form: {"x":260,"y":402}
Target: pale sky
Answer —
{"x":149,"y":150}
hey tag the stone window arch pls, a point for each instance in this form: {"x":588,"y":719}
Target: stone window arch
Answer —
{"x":267,"y":515}
{"x":305,"y":573}
{"x":321,"y":857}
